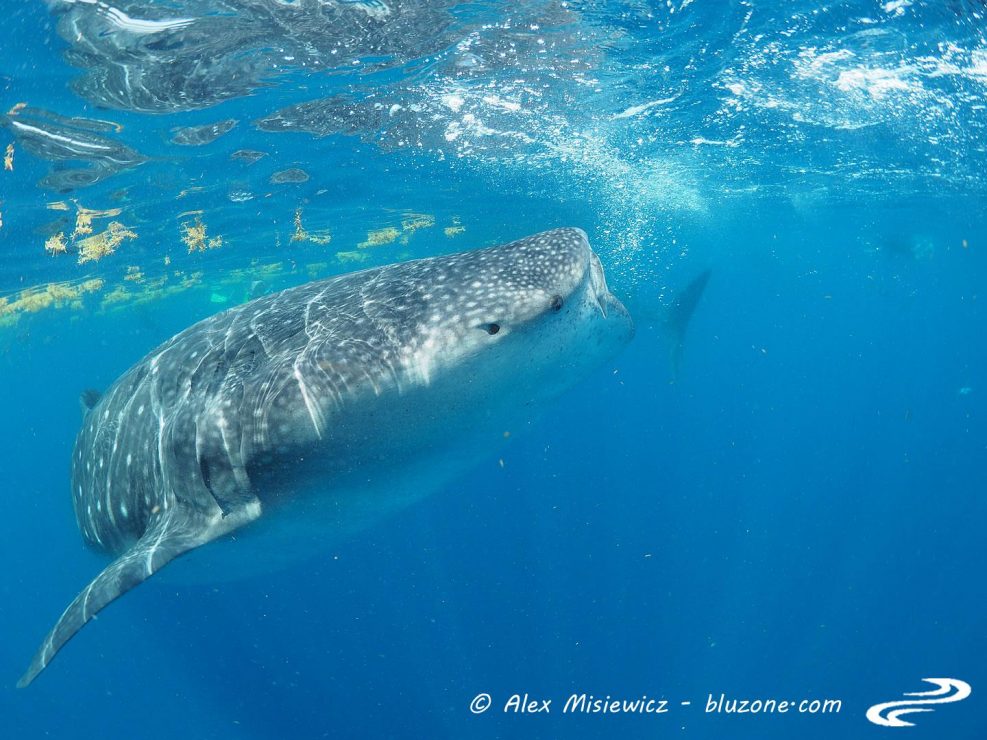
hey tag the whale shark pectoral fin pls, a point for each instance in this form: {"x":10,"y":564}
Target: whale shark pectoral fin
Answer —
{"x":220,"y":463}
{"x":171,"y":534}
{"x":227,"y":485}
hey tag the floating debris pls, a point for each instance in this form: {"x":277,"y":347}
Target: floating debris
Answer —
{"x":292,"y":175}
{"x":248,"y":156}
{"x":201,"y":135}
{"x":94,"y":248}
{"x":8,"y":158}
{"x":56,"y":244}
{"x":240,"y":196}
{"x":195,"y":238}
{"x":380,"y":237}
{"x":60,"y":139}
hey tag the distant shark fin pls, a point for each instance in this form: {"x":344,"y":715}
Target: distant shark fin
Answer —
{"x":679,"y":315}
{"x":170,"y":534}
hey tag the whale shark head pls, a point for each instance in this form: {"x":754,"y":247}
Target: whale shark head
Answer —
{"x":535,"y":315}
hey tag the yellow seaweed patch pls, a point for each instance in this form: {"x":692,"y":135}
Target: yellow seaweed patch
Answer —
{"x":195,"y":238}
{"x":52,"y":295}
{"x":190,"y":281}
{"x":118,"y":295}
{"x":301,"y":235}
{"x":56,"y":244}
{"x":8,"y":158}
{"x":151,"y":290}
{"x":413,"y":222}
{"x":16,"y":109}
{"x":353,"y":256}
{"x":256,"y":271}
{"x":454,"y":229}
{"x":84,"y":219}
{"x":131,"y":292}
{"x":58,"y":205}
{"x":94,"y":248}
{"x":379,"y":237}
{"x":83,"y":224}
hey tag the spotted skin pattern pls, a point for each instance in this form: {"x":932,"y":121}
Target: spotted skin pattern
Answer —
{"x":165,"y":461}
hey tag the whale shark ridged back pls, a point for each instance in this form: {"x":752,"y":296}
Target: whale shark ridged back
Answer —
{"x":169,"y":458}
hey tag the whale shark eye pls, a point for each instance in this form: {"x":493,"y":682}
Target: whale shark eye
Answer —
{"x":490,"y":328}
{"x":556,"y":303}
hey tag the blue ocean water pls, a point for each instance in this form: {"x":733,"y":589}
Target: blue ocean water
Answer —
{"x":796,"y":513}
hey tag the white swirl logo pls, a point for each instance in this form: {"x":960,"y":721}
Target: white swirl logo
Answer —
{"x":950,"y":690}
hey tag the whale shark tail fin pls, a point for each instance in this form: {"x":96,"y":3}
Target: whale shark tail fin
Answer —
{"x":170,"y":534}
{"x":679,"y":315}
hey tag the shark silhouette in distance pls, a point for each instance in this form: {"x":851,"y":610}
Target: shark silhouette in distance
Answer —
{"x":678,"y":316}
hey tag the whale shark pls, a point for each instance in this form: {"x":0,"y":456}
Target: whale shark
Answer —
{"x":325,"y":406}
{"x":678,"y":316}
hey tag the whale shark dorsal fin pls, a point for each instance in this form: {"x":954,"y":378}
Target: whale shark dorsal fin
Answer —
{"x":170,"y":534}
{"x":89,"y":398}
